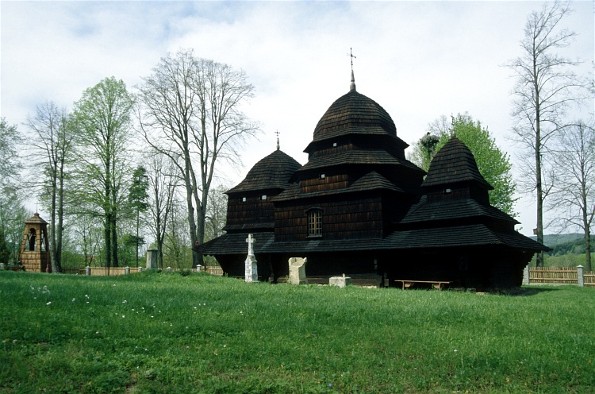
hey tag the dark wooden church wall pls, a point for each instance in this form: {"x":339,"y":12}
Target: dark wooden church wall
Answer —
{"x":324,"y":182}
{"x":253,"y":210}
{"x":341,"y":218}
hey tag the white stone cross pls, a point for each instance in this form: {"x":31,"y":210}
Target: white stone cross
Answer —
{"x":250,"y":240}
{"x":250,"y":268}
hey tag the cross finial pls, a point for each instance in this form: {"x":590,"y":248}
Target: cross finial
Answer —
{"x":277,"y":133}
{"x":352,"y":56}
{"x":352,"y":85}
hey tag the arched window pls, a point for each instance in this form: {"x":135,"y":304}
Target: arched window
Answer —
{"x":314,"y":222}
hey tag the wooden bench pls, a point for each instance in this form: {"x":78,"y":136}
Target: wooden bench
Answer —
{"x":436,"y":284}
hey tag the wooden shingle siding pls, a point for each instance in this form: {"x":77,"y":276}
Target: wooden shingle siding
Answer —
{"x":361,"y":218}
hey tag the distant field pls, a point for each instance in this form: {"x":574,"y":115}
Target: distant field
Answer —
{"x":168,"y":333}
{"x":567,"y":260}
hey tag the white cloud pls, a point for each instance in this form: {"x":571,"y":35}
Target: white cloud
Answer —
{"x":419,"y":60}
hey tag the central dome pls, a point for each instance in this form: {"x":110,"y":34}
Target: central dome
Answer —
{"x":354,"y":113}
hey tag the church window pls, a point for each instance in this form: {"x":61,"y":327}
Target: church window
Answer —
{"x":315,"y":222}
{"x":263,"y":197}
{"x":322,"y":176}
{"x":243,"y":199}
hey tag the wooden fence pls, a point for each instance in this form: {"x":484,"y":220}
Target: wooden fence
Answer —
{"x":562,"y":276}
{"x":115,"y":271}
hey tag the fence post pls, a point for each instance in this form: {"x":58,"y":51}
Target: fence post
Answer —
{"x":87,"y":270}
{"x":580,"y":276}
{"x":526,"y":275}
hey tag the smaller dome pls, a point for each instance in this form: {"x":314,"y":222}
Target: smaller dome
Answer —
{"x":454,"y":163}
{"x":272,"y":172}
{"x":354,"y":113}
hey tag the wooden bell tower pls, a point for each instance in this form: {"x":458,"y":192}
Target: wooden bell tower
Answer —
{"x":35,"y":249}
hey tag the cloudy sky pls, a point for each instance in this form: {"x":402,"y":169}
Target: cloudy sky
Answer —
{"x":417,"y":59}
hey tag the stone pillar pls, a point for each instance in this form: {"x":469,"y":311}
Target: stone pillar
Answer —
{"x":2,"y":266}
{"x":297,"y":270}
{"x":250,"y":268}
{"x":126,"y":270}
{"x":580,"y":275}
{"x":151,"y":259}
{"x":87,"y":270}
{"x":526,"y":275}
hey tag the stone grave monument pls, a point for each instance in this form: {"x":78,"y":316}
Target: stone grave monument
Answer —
{"x":297,"y":270}
{"x":251,"y":271}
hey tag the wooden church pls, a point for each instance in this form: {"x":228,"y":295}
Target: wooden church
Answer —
{"x":359,"y":207}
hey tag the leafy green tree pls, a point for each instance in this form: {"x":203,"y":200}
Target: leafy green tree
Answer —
{"x":102,"y":117}
{"x":493,"y":164}
{"x":4,"y":249}
{"x":138,"y":199}
{"x":9,"y":163}
{"x":12,"y":212}
{"x":54,"y":140}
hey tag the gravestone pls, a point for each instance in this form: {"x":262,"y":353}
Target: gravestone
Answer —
{"x":339,"y":281}
{"x":151,"y":259}
{"x":250,"y":269}
{"x":297,"y":270}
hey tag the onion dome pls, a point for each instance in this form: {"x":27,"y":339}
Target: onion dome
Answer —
{"x":454,"y":164}
{"x":354,"y":113}
{"x":272,"y":172}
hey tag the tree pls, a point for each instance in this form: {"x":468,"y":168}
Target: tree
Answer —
{"x":162,"y":183}
{"x":9,"y":164}
{"x":55,"y":141}
{"x":575,"y":186}
{"x":216,"y":212}
{"x":12,"y":212}
{"x":545,"y":87}
{"x":492,"y":163}
{"x":191,"y":113}
{"x":137,"y":198}
{"x":102,"y":117}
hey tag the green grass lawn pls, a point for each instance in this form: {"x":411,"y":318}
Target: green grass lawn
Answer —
{"x":168,"y":333}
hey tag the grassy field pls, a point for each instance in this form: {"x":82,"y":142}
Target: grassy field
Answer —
{"x":168,"y":333}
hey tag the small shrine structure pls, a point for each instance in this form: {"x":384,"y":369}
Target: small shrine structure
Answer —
{"x":34,"y":251}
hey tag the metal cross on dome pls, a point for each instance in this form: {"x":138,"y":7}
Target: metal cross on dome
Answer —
{"x":352,"y":56}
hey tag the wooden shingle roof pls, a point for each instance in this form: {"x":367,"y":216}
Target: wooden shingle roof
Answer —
{"x":454,"y":164}
{"x":450,"y":209}
{"x":370,"y":181}
{"x":462,"y":236}
{"x":357,"y":157}
{"x":272,"y":172}
{"x":476,"y":235}
{"x":354,"y":113}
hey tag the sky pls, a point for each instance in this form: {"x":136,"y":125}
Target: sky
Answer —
{"x":417,"y":59}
